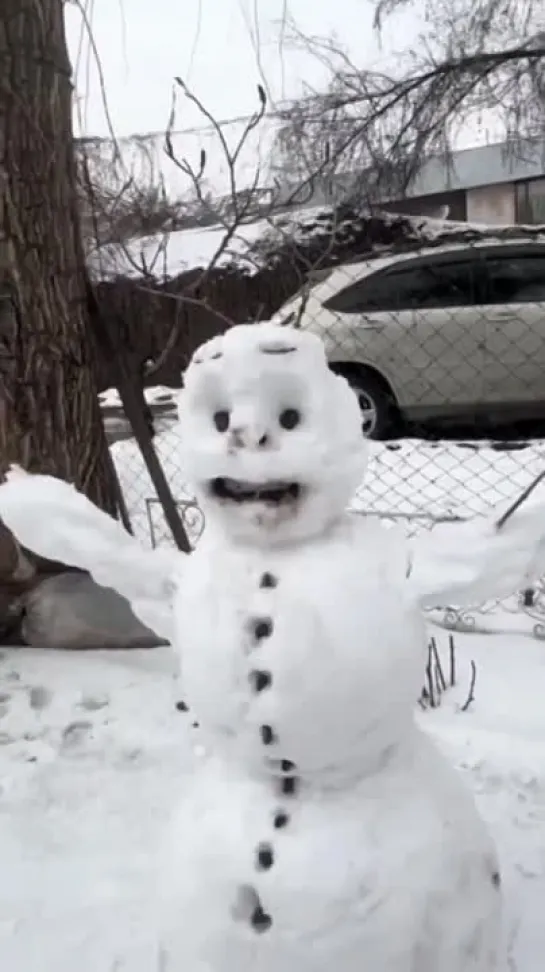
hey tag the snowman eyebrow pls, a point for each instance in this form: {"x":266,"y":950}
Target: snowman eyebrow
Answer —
{"x":276,"y":349}
{"x":212,"y":357}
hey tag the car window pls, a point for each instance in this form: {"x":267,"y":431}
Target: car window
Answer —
{"x":409,"y":287}
{"x":513,"y":279}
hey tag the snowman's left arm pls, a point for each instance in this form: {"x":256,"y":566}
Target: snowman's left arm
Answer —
{"x":52,"y":519}
{"x":466,"y":563}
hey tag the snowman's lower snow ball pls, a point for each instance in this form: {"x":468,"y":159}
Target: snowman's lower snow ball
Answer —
{"x":323,"y":830}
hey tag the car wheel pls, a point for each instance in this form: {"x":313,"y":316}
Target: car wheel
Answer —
{"x":376,"y":403}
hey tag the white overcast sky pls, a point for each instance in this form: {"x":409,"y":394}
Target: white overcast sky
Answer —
{"x":220,"y":47}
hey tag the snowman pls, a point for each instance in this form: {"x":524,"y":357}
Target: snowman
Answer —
{"x":322,"y":830}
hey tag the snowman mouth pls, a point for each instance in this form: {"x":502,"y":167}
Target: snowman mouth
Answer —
{"x":239,"y":491}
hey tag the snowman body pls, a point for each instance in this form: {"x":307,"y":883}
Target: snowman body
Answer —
{"x":322,"y":828}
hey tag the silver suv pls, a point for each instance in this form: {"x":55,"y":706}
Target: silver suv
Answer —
{"x":440,"y":333}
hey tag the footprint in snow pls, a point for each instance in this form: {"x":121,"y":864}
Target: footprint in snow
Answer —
{"x":93,"y":703}
{"x":39,"y":697}
{"x":76,"y":733}
{"x":5,"y":699}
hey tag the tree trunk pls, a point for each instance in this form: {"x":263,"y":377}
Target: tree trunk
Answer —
{"x":50,"y":419}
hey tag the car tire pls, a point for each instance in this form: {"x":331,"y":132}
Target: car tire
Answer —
{"x":379,"y":413}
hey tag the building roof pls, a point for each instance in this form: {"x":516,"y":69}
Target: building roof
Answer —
{"x":486,"y":165}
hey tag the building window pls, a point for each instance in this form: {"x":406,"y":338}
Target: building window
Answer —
{"x":530,"y":201}
{"x":454,"y":203}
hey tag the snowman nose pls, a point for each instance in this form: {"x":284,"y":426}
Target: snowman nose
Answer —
{"x":248,"y":435}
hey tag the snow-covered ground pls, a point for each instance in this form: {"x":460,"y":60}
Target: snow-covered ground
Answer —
{"x":93,"y":751}
{"x":172,"y":254}
{"x":156,"y":395}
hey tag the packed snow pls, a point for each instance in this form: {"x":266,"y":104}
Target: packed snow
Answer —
{"x":110,"y":810}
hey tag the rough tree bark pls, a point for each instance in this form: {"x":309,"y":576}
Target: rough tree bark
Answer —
{"x":50,"y":419}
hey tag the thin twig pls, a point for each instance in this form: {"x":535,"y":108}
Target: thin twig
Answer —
{"x":519,"y":501}
{"x":471,"y":693}
{"x":452,"y":661}
{"x":429,"y":677}
{"x":230,"y":156}
{"x":438,"y":666}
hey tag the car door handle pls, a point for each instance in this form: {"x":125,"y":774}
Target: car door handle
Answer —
{"x":367,"y":326}
{"x":501,"y":316}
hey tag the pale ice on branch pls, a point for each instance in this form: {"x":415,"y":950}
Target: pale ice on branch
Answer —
{"x":322,"y":829}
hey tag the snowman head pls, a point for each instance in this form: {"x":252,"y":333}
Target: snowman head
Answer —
{"x":271,"y":439}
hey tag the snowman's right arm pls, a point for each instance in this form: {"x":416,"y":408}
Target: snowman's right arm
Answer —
{"x":466,"y":563}
{"x":52,"y":519}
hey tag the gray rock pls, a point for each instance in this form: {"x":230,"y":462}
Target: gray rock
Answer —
{"x":17,"y":573}
{"x":70,"y":611}
{"x":15,"y":567}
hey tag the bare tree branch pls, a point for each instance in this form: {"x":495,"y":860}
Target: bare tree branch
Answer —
{"x":368,"y":134}
{"x":241,"y":210}
{"x":232,"y":213}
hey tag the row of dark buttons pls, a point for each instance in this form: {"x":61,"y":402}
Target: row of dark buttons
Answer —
{"x":261,"y":680}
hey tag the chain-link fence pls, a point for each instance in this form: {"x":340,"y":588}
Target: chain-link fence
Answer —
{"x":445,"y":348}
{"x":452,"y":332}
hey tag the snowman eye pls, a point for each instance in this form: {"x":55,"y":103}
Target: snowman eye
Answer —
{"x":289,"y":418}
{"x":221,"y":420}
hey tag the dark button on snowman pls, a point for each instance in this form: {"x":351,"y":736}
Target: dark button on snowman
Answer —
{"x":263,"y":628}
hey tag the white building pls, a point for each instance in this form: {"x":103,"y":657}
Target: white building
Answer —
{"x":495,"y":184}
{"x":501,"y":183}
